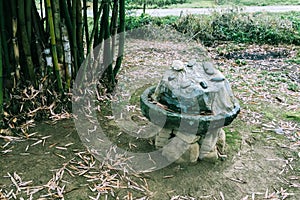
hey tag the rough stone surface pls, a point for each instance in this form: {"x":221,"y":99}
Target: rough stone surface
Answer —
{"x":191,"y":155}
{"x":188,"y":138}
{"x":177,"y":65}
{"x":195,"y":101}
{"x":197,"y":88}
{"x":208,"y":143}
{"x":175,"y":149}
{"x":180,"y":151}
{"x":208,"y":68}
{"x":162,"y":138}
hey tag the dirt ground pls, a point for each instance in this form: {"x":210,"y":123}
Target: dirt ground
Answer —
{"x":263,"y":159}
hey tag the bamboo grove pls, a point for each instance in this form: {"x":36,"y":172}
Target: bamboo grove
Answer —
{"x":43,"y":44}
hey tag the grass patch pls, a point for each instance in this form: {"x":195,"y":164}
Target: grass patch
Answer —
{"x":233,"y":138}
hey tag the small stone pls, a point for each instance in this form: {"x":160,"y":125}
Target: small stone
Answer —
{"x":203,"y":84}
{"x":191,"y":155}
{"x":194,"y":152}
{"x":210,"y":157}
{"x":188,"y":138}
{"x":221,"y":144}
{"x":185,"y":84}
{"x":217,"y":79}
{"x":209,"y":68}
{"x":191,"y":63}
{"x":177,"y":65}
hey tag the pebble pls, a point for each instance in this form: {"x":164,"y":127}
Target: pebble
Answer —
{"x":208,"y":68}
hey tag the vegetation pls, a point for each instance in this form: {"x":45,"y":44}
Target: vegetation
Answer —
{"x":258,"y":3}
{"x":41,"y":52}
{"x":231,"y":25}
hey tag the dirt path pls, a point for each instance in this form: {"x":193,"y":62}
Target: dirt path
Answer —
{"x":184,"y":11}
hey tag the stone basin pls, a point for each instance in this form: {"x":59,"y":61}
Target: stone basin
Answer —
{"x":197,"y":124}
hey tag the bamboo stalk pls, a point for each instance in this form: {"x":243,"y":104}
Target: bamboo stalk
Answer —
{"x":57,"y":22}
{"x":16,"y":52}
{"x":1,"y":68}
{"x":68,"y":23}
{"x":79,"y":31}
{"x":96,"y":20}
{"x":28,"y":5}
{"x":94,"y":30}
{"x":53,"y":47}
{"x":25,"y":41}
{"x":113,"y":26}
{"x":74,"y":36}
{"x":86,"y":26}
{"x":40,"y":40}
{"x":41,"y":8}
{"x":107,"y":59}
{"x":67,"y":56}
{"x":5,"y":56}
{"x":121,"y":36}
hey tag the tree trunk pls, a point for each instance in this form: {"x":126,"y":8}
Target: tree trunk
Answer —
{"x":53,"y":47}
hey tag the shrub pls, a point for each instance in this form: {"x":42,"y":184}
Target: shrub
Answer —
{"x":241,"y":27}
{"x":133,"y":22}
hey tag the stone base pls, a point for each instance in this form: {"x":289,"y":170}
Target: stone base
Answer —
{"x":184,"y":147}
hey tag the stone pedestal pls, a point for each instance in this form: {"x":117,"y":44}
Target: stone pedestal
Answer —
{"x":196,"y":99}
{"x":184,"y":147}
